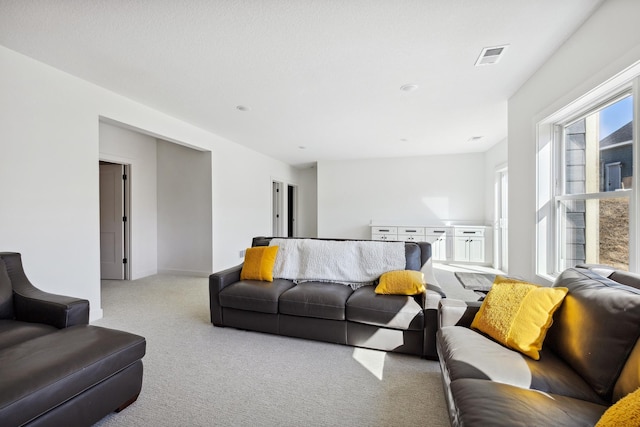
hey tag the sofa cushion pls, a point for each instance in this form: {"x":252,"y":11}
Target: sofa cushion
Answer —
{"x":401,"y":282}
{"x":39,"y":374}
{"x":390,"y":311}
{"x":315,"y":299}
{"x":254,"y":295}
{"x":6,"y":293}
{"x":14,"y":332}
{"x":412,"y":253}
{"x":595,"y":307}
{"x":626,"y":412}
{"x":487,"y":403}
{"x":518,"y":314}
{"x":258,"y":263}
{"x":466,"y":353}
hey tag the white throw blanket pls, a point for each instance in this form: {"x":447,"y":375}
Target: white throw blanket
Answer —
{"x":353,"y":263}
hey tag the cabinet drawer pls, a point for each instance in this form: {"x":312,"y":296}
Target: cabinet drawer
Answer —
{"x":470,"y":232}
{"x":384,"y":230}
{"x":438,"y":231}
{"x":384,"y":236}
{"x":411,"y":230}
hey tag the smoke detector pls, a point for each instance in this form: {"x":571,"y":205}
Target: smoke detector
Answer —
{"x":491,"y":55}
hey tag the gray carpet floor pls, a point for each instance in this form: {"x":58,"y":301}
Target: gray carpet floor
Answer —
{"x":196,"y":374}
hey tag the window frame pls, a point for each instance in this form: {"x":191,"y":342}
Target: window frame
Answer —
{"x":550,"y":170}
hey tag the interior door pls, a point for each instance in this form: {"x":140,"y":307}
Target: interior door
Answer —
{"x":111,"y":221}
{"x":278,"y":225}
{"x":500,"y":260}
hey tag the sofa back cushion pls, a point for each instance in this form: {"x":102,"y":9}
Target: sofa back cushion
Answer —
{"x":412,"y":252}
{"x":415,"y":257}
{"x":6,"y":293}
{"x":596,"y":327}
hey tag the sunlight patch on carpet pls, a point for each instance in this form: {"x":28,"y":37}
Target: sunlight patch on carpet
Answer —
{"x":371,"y":360}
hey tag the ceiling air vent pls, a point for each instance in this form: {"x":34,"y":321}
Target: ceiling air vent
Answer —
{"x":491,"y":55}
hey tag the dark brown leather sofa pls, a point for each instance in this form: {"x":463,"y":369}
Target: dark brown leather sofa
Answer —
{"x":55,"y":369}
{"x":329,"y":311}
{"x":589,"y":360}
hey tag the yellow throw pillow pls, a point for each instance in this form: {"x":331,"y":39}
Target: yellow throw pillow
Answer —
{"x":625,"y":412}
{"x":401,"y":282}
{"x":518,"y":314}
{"x":258,"y":263}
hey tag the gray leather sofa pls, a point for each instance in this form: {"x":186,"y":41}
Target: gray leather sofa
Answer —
{"x":589,"y":360}
{"x":55,"y":369}
{"x":329,"y":311}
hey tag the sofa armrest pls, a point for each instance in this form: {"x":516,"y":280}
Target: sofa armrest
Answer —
{"x":31,"y":304}
{"x":36,"y":306}
{"x":217,"y":282}
{"x":453,"y":312}
{"x":431,"y":302}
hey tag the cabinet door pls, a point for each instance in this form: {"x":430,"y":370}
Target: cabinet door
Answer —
{"x":476,"y":250}
{"x":460,"y":249}
{"x":384,"y":237}
{"x":439,"y":247}
{"x":448,"y":248}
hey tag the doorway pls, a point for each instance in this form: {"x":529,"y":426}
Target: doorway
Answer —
{"x":114,"y":221}
{"x":292,"y":197}
{"x":277,"y":217}
{"x":284,"y":209}
{"x":501,"y":261}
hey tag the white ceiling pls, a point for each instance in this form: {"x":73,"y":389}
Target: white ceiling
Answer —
{"x":320,"y":74}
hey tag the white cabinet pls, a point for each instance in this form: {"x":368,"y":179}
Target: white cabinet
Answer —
{"x":411,"y":234}
{"x":384,"y":233}
{"x":451,"y":243}
{"x":402,"y":234}
{"x":441,"y":239}
{"x":470,"y":244}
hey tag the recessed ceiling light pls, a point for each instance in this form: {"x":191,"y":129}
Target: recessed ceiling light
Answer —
{"x":242,"y":108}
{"x":408,"y":87}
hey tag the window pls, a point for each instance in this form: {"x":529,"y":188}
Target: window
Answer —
{"x":593,"y":200}
{"x":586,"y":193}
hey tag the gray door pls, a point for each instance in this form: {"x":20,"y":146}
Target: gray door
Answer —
{"x":111,"y":222}
{"x":278,"y":225}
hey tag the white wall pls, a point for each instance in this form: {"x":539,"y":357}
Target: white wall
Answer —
{"x":494,"y":158}
{"x":139,"y":151}
{"x":606,"y":44}
{"x":49,"y":133}
{"x":308,"y":202}
{"x":50,"y":179}
{"x":242,"y":199}
{"x":184,"y":210}
{"x":416,"y":190}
